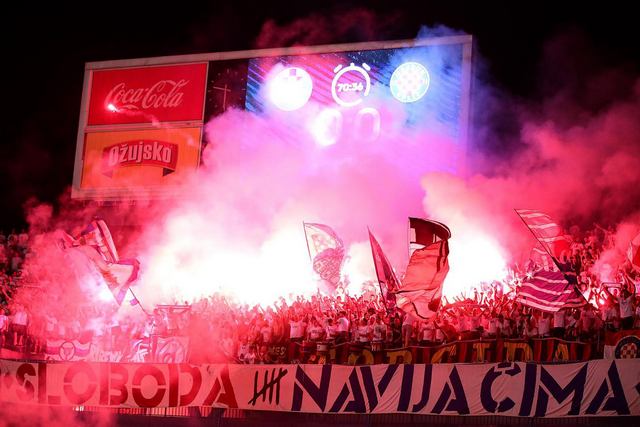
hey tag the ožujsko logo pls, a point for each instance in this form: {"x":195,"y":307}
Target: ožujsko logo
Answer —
{"x":140,"y":153}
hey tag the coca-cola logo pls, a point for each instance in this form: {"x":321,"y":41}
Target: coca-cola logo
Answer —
{"x":140,"y":152}
{"x":162,"y":94}
{"x":149,"y":94}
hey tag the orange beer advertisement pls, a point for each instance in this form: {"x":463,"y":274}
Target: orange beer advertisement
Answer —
{"x":132,"y":163}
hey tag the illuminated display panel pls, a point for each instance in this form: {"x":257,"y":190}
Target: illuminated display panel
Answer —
{"x":414,"y":94}
{"x":420,"y":89}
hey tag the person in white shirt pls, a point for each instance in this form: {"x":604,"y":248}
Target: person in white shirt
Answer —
{"x":379,"y":332}
{"x":342,"y":328}
{"x":19,"y":324}
{"x":558,"y":324}
{"x":266,"y":333}
{"x":251,"y":356}
{"x":626,"y":308}
{"x":464,"y":325}
{"x":572,"y":322}
{"x":331,"y":330}
{"x":544,"y":325}
{"x":296,"y":329}
{"x":364,"y":332}
{"x":531,"y":328}
{"x":315,"y":332}
{"x":407,"y":329}
{"x":427,"y":333}
{"x":610,"y":314}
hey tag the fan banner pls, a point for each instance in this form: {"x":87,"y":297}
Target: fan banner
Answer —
{"x":594,"y":388}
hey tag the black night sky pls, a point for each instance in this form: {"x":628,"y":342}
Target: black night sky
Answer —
{"x":45,"y":49}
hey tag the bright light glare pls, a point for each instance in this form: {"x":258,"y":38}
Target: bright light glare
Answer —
{"x":473,"y":259}
{"x":186,"y":268}
{"x":290,"y":89}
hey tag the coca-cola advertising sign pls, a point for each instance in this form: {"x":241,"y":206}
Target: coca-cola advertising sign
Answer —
{"x":140,"y":152}
{"x":147,"y":95}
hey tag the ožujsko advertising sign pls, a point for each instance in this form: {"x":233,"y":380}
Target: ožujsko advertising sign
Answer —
{"x":139,"y":161}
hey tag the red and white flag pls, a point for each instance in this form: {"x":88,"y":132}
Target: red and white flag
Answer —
{"x":549,"y":291}
{"x":633,"y":253}
{"x":326,"y":251}
{"x":387,"y":279}
{"x":421,"y":289}
{"x":95,"y":242}
{"x":548,"y":232}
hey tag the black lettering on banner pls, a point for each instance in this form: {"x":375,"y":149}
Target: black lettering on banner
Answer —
{"x":269,"y":385}
{"x":458,"y":403}
{"x":486,"y":397}
{"x":317,"y":392}
{"x":369,"y":384}
{"x":406,"y":386}
{"x":357,"y":403}
{"x":617,"y":402}
{"x":575,"y":386}
{"x":530,"y":376}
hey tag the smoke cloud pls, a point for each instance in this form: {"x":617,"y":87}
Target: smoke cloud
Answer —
{"x":237,"y":229}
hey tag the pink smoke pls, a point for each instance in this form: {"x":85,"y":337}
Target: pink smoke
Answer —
{"x":237,"y":228}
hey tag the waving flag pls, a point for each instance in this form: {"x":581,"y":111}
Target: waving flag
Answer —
{"x":549,"y":291}
{"x":387,"y":279}
{"x":542,"y":259}
{"x":424,"y":233}
{"x":96,"y":243}
{"x":98,"y":236}
{"x":553,"y":285}
{"x":421,"y":288}
{"x":326,"y":251}
{"x":549,"y":234}
{"x":633,"y":253}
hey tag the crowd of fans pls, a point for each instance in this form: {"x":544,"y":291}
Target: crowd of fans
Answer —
{"x":244,"y":334}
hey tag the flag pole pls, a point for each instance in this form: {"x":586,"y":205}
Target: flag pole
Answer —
{"x":408,"y":239}
{"x":306,"y":238}
{"x":139,"y":303}
{"x":375,"y":264}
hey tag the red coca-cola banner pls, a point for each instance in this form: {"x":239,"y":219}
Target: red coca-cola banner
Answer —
{"x":147,"y":94}
{"x":140,"y":152}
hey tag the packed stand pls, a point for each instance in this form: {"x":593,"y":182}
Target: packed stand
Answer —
{"x":225,"y":331}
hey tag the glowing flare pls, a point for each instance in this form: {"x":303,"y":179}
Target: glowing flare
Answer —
{"x":290,"y":89}
{"x":474,"y":258}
